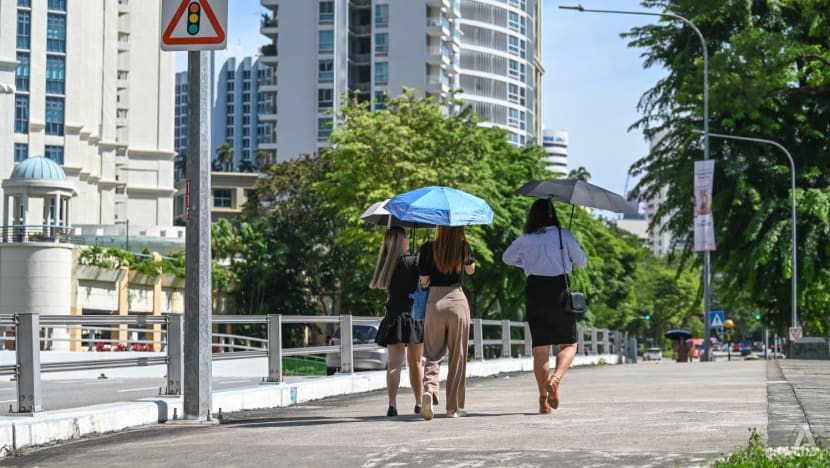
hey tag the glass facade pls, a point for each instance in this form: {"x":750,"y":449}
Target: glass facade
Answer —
{"x":54,"y":116}
{"x":55,"y":153}
{"x":55,"y":74}
{"x":21,"y":152}
{"x":22,"y":72}
{"x":56,"y":33}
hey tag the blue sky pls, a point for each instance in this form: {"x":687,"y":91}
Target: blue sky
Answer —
{"x":591,"y":85}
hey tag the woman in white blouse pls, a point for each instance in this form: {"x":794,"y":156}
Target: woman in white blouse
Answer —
{"x":538,"y":252}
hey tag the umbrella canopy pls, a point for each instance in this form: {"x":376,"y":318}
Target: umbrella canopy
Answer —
{"x":377,"y":214}
{"x":441,"y":206}
{"x":678,"y":333}
{"x":577,"y":192}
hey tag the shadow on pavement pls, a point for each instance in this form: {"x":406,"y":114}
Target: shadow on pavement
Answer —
{"x":289,"y":421}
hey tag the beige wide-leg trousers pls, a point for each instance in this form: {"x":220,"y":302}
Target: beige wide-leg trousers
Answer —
{"x":447,"y":328}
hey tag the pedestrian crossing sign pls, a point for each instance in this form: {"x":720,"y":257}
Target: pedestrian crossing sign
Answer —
{"x":716,"y":319}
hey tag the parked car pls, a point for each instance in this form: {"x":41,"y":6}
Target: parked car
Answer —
{"x":363,"y":359}
{"x":653,"y":354}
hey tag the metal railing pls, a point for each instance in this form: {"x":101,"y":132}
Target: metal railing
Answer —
{"x":500,"y":341}
{"x":22,"y":233}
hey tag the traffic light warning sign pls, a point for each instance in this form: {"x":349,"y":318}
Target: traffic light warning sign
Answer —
{"x":194,"y":24}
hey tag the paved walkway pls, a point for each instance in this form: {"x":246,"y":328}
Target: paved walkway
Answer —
{"x":649,"y":414}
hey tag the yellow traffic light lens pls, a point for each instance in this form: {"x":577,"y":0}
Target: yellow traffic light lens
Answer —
{"x":194,"y":18}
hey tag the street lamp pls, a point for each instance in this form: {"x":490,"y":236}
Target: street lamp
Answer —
{"x":707,"y":283}
{"x":794,"y":230}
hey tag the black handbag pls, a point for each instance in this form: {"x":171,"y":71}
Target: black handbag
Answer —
{"x":571,"y":301}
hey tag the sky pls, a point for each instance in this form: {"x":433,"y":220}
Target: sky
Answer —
{"x":590,"y":88}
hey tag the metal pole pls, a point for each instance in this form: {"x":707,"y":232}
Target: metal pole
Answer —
{"x":175,"y":354}
{"x":275,"y":348}
{"x":794,"y":304}
{"x":505,"y":338}
{"x":346,"y":348}
{"x":478,"y":336}
{"x":27,"y":338}
{"x":197,"y":326}
{"x":707,"y":294}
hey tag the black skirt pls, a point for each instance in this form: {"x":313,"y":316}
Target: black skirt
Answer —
{"x":549,"y":324}
{"x":400,"y":328}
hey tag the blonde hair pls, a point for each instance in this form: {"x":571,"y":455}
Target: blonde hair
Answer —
{"x":392,"y":248}
{"x":450,"y":249}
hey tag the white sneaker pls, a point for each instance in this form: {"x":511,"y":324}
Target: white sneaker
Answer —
{"x":426,"y":406}
{"x":457,"y":413}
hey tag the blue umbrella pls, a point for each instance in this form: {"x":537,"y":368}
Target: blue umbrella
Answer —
{"x":441,"y":206}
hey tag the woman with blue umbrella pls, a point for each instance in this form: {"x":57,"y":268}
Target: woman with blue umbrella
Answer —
{"x":442,"y":265}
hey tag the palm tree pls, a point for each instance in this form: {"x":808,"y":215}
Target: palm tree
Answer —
{"x":580,"y":173}
{"x":224,"y":154}
{"x":264,"y":159}
{"x":246,"y":165}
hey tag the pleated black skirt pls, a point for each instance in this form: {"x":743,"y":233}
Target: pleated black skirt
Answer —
{"x":549,"y":324}
{"x":399,"y":327}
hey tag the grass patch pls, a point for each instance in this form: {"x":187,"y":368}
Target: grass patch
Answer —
{"x":304,"y":365}
{"x":757,"y":455}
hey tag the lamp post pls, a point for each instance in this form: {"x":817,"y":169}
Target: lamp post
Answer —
{"x":794,"y":310}
{"x":707,"y":277}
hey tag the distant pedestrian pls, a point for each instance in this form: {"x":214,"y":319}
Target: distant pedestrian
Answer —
{"x":442,"y":264}
{"x":402,"y":335}
{"x":538,"y":252}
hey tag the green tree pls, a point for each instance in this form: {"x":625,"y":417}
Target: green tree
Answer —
{"x":769,"y":78}
{"x":224,"y":154}
{"x":580,"y":173}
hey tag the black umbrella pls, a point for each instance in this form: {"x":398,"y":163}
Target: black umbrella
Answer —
{"x":577,"y":192}
{"x":678,"y":333}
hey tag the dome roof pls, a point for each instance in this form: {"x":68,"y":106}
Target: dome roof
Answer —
{"x":38,"y":168}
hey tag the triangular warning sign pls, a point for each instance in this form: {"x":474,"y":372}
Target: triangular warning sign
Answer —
{"x":194,"y":23}
{"x":716,"y":321}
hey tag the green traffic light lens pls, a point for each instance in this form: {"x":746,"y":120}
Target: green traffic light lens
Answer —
{"x":192,"y":29}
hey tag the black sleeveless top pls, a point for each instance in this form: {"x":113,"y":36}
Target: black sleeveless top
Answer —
{"x":426,"y":267}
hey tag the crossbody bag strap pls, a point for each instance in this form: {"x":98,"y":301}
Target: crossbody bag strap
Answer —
{"x":564,"y":265}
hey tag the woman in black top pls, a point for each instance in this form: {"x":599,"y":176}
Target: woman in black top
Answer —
{"x":442,"y":265}
{"x":399,"y":332}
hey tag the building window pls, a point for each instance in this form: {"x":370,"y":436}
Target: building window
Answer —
{"x":55,"y":71}
{"x":516,"y":94}
{"x":520,"y":4}
{"x":382,"y":43}
{"x":323,"y":128}
{"x":54,"y":116}
{"x":55,"y":153}
{"x":380,"y":100}
{"x":516,"y":22}
{"x":58,"y":5}
{"x":381,"y":15}
{"x":516,"y":46}
{"x":24,"y":29}
{"x":21,"y":113}
{"x":22,"y":72}
{"x":325,"y":71}
{"x":56,"y":33}
{"x":21,"y":152}
{"x":326,"y":12}
{"x":516,"y":70}
{"x":222,"y":198}
{"x":325,"y":98}
{"x":381,"y":72}
{"x":229,"y":132}
{"x":24,"y":3}
{"x":326,"y":40}
{"x":229,"y":120}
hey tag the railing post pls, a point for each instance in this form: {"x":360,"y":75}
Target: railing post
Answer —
{"x":175,"y":353}
{"x":606,"y":349}
{"x":346,"y":351}
{"x":593,"y":340}
{"x":580,"y":341}
{"x":27,"y":339}
{"x":528,"y":341}
{"x":275,"y":348}
{"x":505,"y":338}
{"x":478,"y":340}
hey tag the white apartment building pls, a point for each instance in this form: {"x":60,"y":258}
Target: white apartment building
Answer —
{"x":321,"y":49}
{"x":555,"y":143}
{"x":93,"y":92}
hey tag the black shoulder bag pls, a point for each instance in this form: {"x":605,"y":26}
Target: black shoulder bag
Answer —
{"x":571,"y":301}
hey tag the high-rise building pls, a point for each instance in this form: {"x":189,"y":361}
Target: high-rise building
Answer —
{"x":555,"y":143}
{"x":489,"y":49}
{"x":94,"y":93}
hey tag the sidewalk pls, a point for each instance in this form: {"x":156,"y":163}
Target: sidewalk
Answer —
{"x":650,"y":414}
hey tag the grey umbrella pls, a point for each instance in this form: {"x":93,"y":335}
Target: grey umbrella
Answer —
{"x":577,"y":192}
{"x":377,"y":214}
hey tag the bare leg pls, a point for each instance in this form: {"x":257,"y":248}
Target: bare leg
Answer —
{"x":414,"y":355}
{"x":564,"y":359}
{"x":393,"y":372}
{"x":541,"y":367}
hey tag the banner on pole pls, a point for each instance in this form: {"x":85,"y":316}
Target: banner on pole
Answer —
{"x":704,"y":223}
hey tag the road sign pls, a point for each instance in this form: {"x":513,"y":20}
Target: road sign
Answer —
{"x":194,"y":24}
{"x":716,"y":319}
{"x":795,"y":333}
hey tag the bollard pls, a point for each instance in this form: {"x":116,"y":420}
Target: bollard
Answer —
{"x":528,"y":341}
{"x":505,"y":338}
{"x":478,"y":336}
{"x":346,"y":350}
{"x":175,"y":354}
{"x":27,"y":339}
{"x":275,"y":348}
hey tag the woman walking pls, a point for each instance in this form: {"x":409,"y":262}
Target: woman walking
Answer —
{"x":398,"y":331}
{"x":547,"y":253}
{"x":442,"y":264}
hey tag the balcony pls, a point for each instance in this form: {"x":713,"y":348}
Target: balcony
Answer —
{"x":268,"y":26}
{"x":123,"y":7}
{"x":360,"y":59}
{"x":439,"y":26}
{"x":361,"y":4}
{"x":360,"y":30}
{"x":269,"y":54}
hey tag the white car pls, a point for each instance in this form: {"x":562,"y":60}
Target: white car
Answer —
{"x":653,"y":354}
{"x":364,"y":359}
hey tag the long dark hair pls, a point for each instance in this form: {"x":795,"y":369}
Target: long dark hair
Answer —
{"x":541,"y":215}
{"x":390,"y":250}
{"x":450,"y":249}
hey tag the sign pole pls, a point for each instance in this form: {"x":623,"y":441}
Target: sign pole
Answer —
{"x":197,"y":318}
